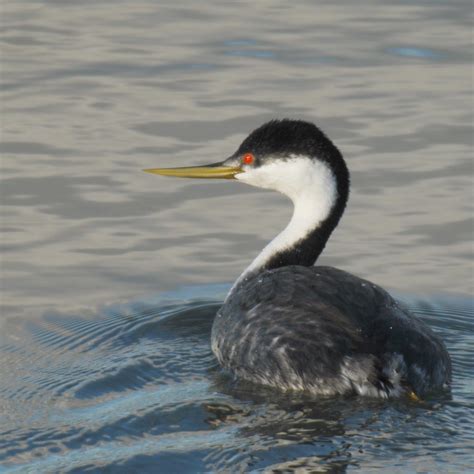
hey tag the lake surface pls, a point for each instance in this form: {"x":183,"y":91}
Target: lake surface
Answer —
{"x":111,"y":277}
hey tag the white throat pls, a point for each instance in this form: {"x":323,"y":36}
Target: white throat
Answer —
{"x":310,"y":184}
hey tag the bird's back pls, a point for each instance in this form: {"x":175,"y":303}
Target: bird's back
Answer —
{"x":326,"y":331}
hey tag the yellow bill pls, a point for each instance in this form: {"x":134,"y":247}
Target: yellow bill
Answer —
{"x":204,"y":172}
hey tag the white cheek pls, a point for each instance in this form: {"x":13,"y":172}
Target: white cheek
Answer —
{"x":264,"y":177}
{"x":293,"y":177}
{"x":278,"y":175}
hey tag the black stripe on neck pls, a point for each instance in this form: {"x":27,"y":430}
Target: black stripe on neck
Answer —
{"x":306,"y":250}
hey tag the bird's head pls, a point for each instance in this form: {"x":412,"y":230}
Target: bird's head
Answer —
{"x":289,"y":156}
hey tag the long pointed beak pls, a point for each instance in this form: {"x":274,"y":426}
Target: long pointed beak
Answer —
{"x":212,"y":171}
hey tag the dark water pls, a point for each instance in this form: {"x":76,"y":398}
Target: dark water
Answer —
{"x":95,"y":372}
{"x":135,"y":388}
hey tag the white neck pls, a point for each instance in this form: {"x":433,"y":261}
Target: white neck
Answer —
{"x":311,"y":186}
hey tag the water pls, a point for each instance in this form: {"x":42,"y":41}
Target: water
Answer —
{"x":135,"y":387}
{"x":111,"y":277}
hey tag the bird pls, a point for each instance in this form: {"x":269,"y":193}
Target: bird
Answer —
{"x":296,"y":326}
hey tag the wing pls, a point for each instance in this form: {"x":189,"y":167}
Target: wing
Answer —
{"x":325,"y":330}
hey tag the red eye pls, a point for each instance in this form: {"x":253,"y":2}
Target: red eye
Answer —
{"x":248,"y":159}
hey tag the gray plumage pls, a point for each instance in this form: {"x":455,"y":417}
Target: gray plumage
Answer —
{"x":328,"y":332}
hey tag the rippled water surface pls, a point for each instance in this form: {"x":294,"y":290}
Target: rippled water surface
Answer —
{"x":111,"y":277}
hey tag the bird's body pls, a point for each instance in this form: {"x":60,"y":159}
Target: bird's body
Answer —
{"x":326,"y":331}
{"x":293,"y":326}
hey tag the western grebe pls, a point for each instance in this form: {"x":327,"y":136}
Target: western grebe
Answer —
{"x":290,"y":325}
